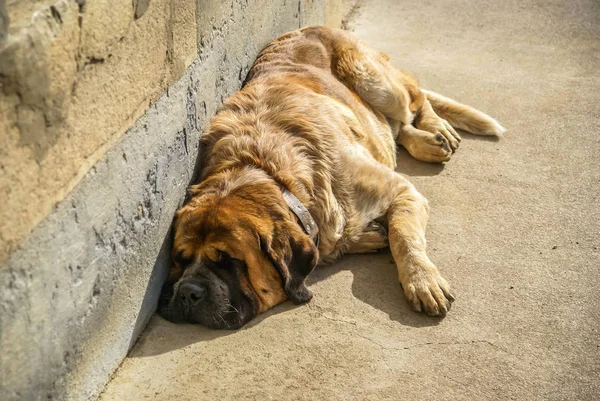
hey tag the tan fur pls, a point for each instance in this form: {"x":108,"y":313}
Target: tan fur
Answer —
{"x":463,"y":117}
{"x":373,"y":237}
{"x":320,"y":115}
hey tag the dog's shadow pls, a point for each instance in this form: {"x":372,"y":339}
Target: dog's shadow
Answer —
{"x":412,"y":167}
{"x":375,"y":284}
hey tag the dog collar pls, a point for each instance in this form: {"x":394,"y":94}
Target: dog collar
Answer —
{"x":303,"y":215}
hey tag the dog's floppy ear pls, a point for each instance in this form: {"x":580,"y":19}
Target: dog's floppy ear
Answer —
{"x":294,"y":255}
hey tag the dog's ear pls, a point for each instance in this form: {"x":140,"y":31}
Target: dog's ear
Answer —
{"x":294,"y":255}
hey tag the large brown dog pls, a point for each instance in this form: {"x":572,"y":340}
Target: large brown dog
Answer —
{"x":298,"y":169}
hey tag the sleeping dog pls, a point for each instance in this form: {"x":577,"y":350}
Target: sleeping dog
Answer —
{"x":299,"y":168}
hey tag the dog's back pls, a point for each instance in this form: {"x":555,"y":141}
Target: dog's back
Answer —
{"x":304,"y":62}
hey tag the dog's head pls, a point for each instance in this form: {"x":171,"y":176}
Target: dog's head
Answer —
{"x":240,"y":251}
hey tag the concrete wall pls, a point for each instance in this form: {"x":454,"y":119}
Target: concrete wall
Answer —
{"x":101,"y":106}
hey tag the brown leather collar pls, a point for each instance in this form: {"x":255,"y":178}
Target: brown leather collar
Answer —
{"x":303,"y":215}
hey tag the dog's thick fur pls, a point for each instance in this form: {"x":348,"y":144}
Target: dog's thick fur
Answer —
{"x":320,"y":115}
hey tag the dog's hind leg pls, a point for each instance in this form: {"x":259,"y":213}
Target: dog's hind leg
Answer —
{"x":462,"y":116}
{"x":374,"y":237}
{"x":368,"y":73}
{"x":396,"y":95}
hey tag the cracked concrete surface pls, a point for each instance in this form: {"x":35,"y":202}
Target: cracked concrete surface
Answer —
{"x":514,"y":228}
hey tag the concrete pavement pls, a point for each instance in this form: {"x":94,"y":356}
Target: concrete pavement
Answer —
{"x":514,"y":228}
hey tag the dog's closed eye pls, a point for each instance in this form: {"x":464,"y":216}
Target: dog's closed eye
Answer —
{"x":181,"y":259}
{"x":223,"y":258}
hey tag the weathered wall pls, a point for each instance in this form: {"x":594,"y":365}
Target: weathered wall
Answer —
{"x":101,"y":106}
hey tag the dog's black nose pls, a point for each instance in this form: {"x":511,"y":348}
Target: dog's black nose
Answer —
{"x":191,"y":292}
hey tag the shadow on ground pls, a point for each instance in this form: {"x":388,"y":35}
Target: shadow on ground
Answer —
{"x":375,"y":284}
{"x":411,"y":167}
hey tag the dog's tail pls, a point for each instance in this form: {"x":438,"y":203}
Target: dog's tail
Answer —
{"x":462,"y":116}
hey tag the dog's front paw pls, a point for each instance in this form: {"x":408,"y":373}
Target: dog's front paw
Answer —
{"x":440,"y":127}
{"x":426,"y":290}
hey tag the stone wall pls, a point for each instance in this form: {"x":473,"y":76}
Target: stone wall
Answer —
{"x":101,"y":106}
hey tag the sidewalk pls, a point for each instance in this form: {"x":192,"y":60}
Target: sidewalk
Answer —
{"x":514,"y":228}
